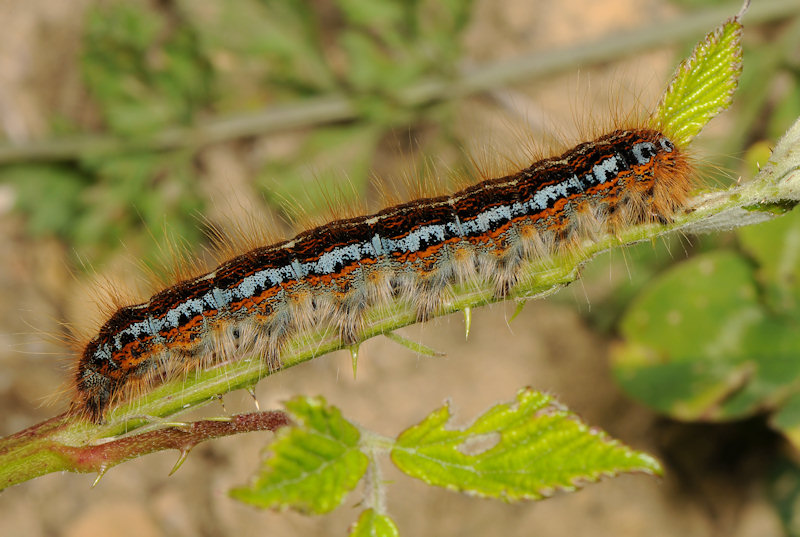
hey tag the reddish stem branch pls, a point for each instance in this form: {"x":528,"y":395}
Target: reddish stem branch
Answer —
{"x":38,"y":449}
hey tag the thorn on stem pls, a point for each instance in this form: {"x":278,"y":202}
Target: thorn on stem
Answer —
{"x":100,"y":474}
{"x":252,"y":391}
{"x":413,"y":346}
{"x":181,"y":459}
{"x":354,"y":358}
{"x":518,"y":310}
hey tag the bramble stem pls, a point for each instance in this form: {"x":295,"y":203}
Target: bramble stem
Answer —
{"x":47,"y":447}
{"x":70,"y":443}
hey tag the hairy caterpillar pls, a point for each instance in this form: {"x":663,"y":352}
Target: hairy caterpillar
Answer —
{"x":254,"y":302}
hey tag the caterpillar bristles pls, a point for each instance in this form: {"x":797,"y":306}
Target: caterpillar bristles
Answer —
{"x":265,"y":291}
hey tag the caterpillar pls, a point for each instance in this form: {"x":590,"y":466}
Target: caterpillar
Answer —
{"x":254,"y":302}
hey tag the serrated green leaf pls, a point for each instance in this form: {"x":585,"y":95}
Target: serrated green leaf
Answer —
{"x":372,"y":524}
{"x":312,"y":465}
{"x":517,"y":451}
{"x":703,"y":85}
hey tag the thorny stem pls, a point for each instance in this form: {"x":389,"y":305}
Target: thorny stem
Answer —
{"x":46,"y":447}
{"x":70,"y":443}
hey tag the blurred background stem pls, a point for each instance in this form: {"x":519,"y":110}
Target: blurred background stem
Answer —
{"x":333,"y":108}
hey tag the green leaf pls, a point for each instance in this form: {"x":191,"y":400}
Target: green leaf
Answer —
{"x":703,"y":84}
{"x":372,"y":524}
{"x":700,"y":343}
{"x":680,"y":333}
{"x":312,"y":465}
{"x":517,"y":451}
{"x":775,"y":246}
{"x":696,"y":300}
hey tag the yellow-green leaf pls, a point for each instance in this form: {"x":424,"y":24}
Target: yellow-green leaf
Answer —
{"x":703,"y":84}
{"x":312,"y":465}
{"x":372,"y":524}
{"x":522,"y":450}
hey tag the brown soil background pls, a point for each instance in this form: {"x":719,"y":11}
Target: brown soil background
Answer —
{"x":549,"y":347}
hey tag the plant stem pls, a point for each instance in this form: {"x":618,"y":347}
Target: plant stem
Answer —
{"x":71,"y":443}
{"x":45,"y":448}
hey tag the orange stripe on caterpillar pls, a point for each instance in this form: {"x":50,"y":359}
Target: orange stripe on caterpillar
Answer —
{"x":254,"y":302}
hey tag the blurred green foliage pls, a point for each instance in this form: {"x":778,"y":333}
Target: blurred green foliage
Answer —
{"x":150,"y":67}
{"x":95,"y":205}
{"x":145,"y":72}
{"x":714,"y":337}
{"x":783,"y":489}
{"x":367,"y":50}
{"x":144,"y":68}
{"x":50,"y":196}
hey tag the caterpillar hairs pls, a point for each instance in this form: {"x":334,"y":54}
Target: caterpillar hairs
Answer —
{"x":256,"y":301}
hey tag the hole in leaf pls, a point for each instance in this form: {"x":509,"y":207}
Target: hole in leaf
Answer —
{"x":479,"y":444}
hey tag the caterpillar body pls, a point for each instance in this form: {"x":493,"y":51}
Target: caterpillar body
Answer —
{"x":329,"y":275}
